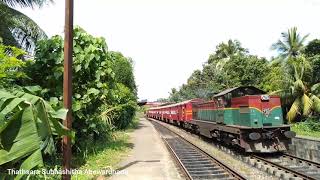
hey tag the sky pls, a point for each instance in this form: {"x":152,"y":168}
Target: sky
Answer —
{"x":169,"y":39}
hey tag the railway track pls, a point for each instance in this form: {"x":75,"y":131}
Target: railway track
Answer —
{"x":288,"y":166}
{"x":195,"y":163}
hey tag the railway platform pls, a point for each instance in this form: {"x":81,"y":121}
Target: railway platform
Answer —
{"x":149,"y":159}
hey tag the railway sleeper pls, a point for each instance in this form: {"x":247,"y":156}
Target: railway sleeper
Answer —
{"x":186,"y":158}
{"x":210,"y":176}
{"x":194,"y":156}
{"x":186,"y":152}
{"x":203,"y":168}
{"x":199,"y":166}
{"x":197,"y":162}
{"x":218,"y":171}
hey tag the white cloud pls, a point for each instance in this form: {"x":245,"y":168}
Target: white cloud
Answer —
{"x":169,"y":39}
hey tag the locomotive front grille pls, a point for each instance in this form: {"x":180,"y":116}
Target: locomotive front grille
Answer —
{"x":267,"y":124}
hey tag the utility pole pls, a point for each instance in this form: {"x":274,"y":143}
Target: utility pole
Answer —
{"x":67,"y":86}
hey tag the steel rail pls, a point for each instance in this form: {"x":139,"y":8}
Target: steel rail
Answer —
{"x":316,"y":164}
{"x":185,"y":171}
{"x":280,"y":167}
{"x":226,"y":168}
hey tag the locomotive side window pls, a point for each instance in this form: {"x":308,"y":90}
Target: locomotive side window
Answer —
{"x":220,"y":102}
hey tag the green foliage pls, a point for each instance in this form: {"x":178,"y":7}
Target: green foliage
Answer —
{"x":246,"y":70}
{"x":229,"y":66}
{"x":296,"y":90}
{"x":275,"y":79}
{"x":315,"y":65}
{"x":103,"y":99}
{"x":313,"y":48}
{"x":10,"y":65}
{"x":123,"y":70}
{"x":28,"y":128}
{"x":309,"y":127}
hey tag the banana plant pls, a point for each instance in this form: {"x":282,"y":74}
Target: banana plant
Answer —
{"x":28,"y":125}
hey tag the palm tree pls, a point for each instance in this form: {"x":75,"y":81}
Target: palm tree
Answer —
{"x":16,"y":28}
{"x":291,"y":43}
{"x":304,"y":99}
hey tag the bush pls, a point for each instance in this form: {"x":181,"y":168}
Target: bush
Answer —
{"x":100,"y":102}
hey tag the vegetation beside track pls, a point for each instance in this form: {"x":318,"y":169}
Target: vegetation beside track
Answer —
{"x":104,"y":103}
{"x":310,"y":127}
{"x":107,"y":154}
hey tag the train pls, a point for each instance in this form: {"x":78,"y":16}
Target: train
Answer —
{"x":245,"y":117}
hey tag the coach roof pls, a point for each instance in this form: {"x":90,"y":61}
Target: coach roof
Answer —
{"x":177,"y":104}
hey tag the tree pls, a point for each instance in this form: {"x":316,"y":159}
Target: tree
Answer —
{"x":10,"y":65}
{"x":303,"y":96}
{"x":123,"y":69}
{"x":313,"y":48}
{"x":275,"y":78}
{"x":226,"y":50}
{"x":16,"y":28}
{"x":245,"y":70}
{"x":290,"y":44}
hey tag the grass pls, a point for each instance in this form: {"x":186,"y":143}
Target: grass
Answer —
{"x":310,"y":127}
{"x":102,"y":155}
{"x":105,"y":156}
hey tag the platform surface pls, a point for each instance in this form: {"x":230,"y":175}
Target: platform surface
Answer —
{"x":149,"y":158}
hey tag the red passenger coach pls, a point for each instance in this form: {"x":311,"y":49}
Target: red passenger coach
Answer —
{"x":174,"y":113}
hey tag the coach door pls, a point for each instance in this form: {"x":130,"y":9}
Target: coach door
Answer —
{"x":220,"y":110}
{"x":183,"y":115}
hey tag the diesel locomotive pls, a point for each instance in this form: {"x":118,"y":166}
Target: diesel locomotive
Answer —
{"x":244,"y":116}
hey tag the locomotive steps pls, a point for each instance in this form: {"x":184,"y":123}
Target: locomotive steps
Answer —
{"x":276,"y":166}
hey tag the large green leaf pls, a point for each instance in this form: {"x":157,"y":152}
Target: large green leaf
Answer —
{"x":27,"y":129}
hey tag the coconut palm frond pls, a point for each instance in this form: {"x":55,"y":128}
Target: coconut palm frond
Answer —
{"x":7,"y":36}
{"x":294,"y":110}
{"x":304,"y":38}
{"x":290,"y":44}
{"x":315,"y":89}
{"x":307,"y":105}
{"x":283,"y":93}
{"x":18,"y":29}
{"x":298,"y":87}
{"x":24,"y":3}
{"x":24,"y":23}
{"x":316,"y":103}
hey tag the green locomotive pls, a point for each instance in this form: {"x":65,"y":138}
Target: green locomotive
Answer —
{"x":243,"y":116}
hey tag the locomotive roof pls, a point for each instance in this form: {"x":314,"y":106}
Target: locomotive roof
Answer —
{"x":253,"y":89}
{"x":180,"y":103}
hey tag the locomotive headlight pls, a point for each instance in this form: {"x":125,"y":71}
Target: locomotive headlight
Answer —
{"x":290,"y":134}
{"x":254,"y":136}
{"x":265,"y":97}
